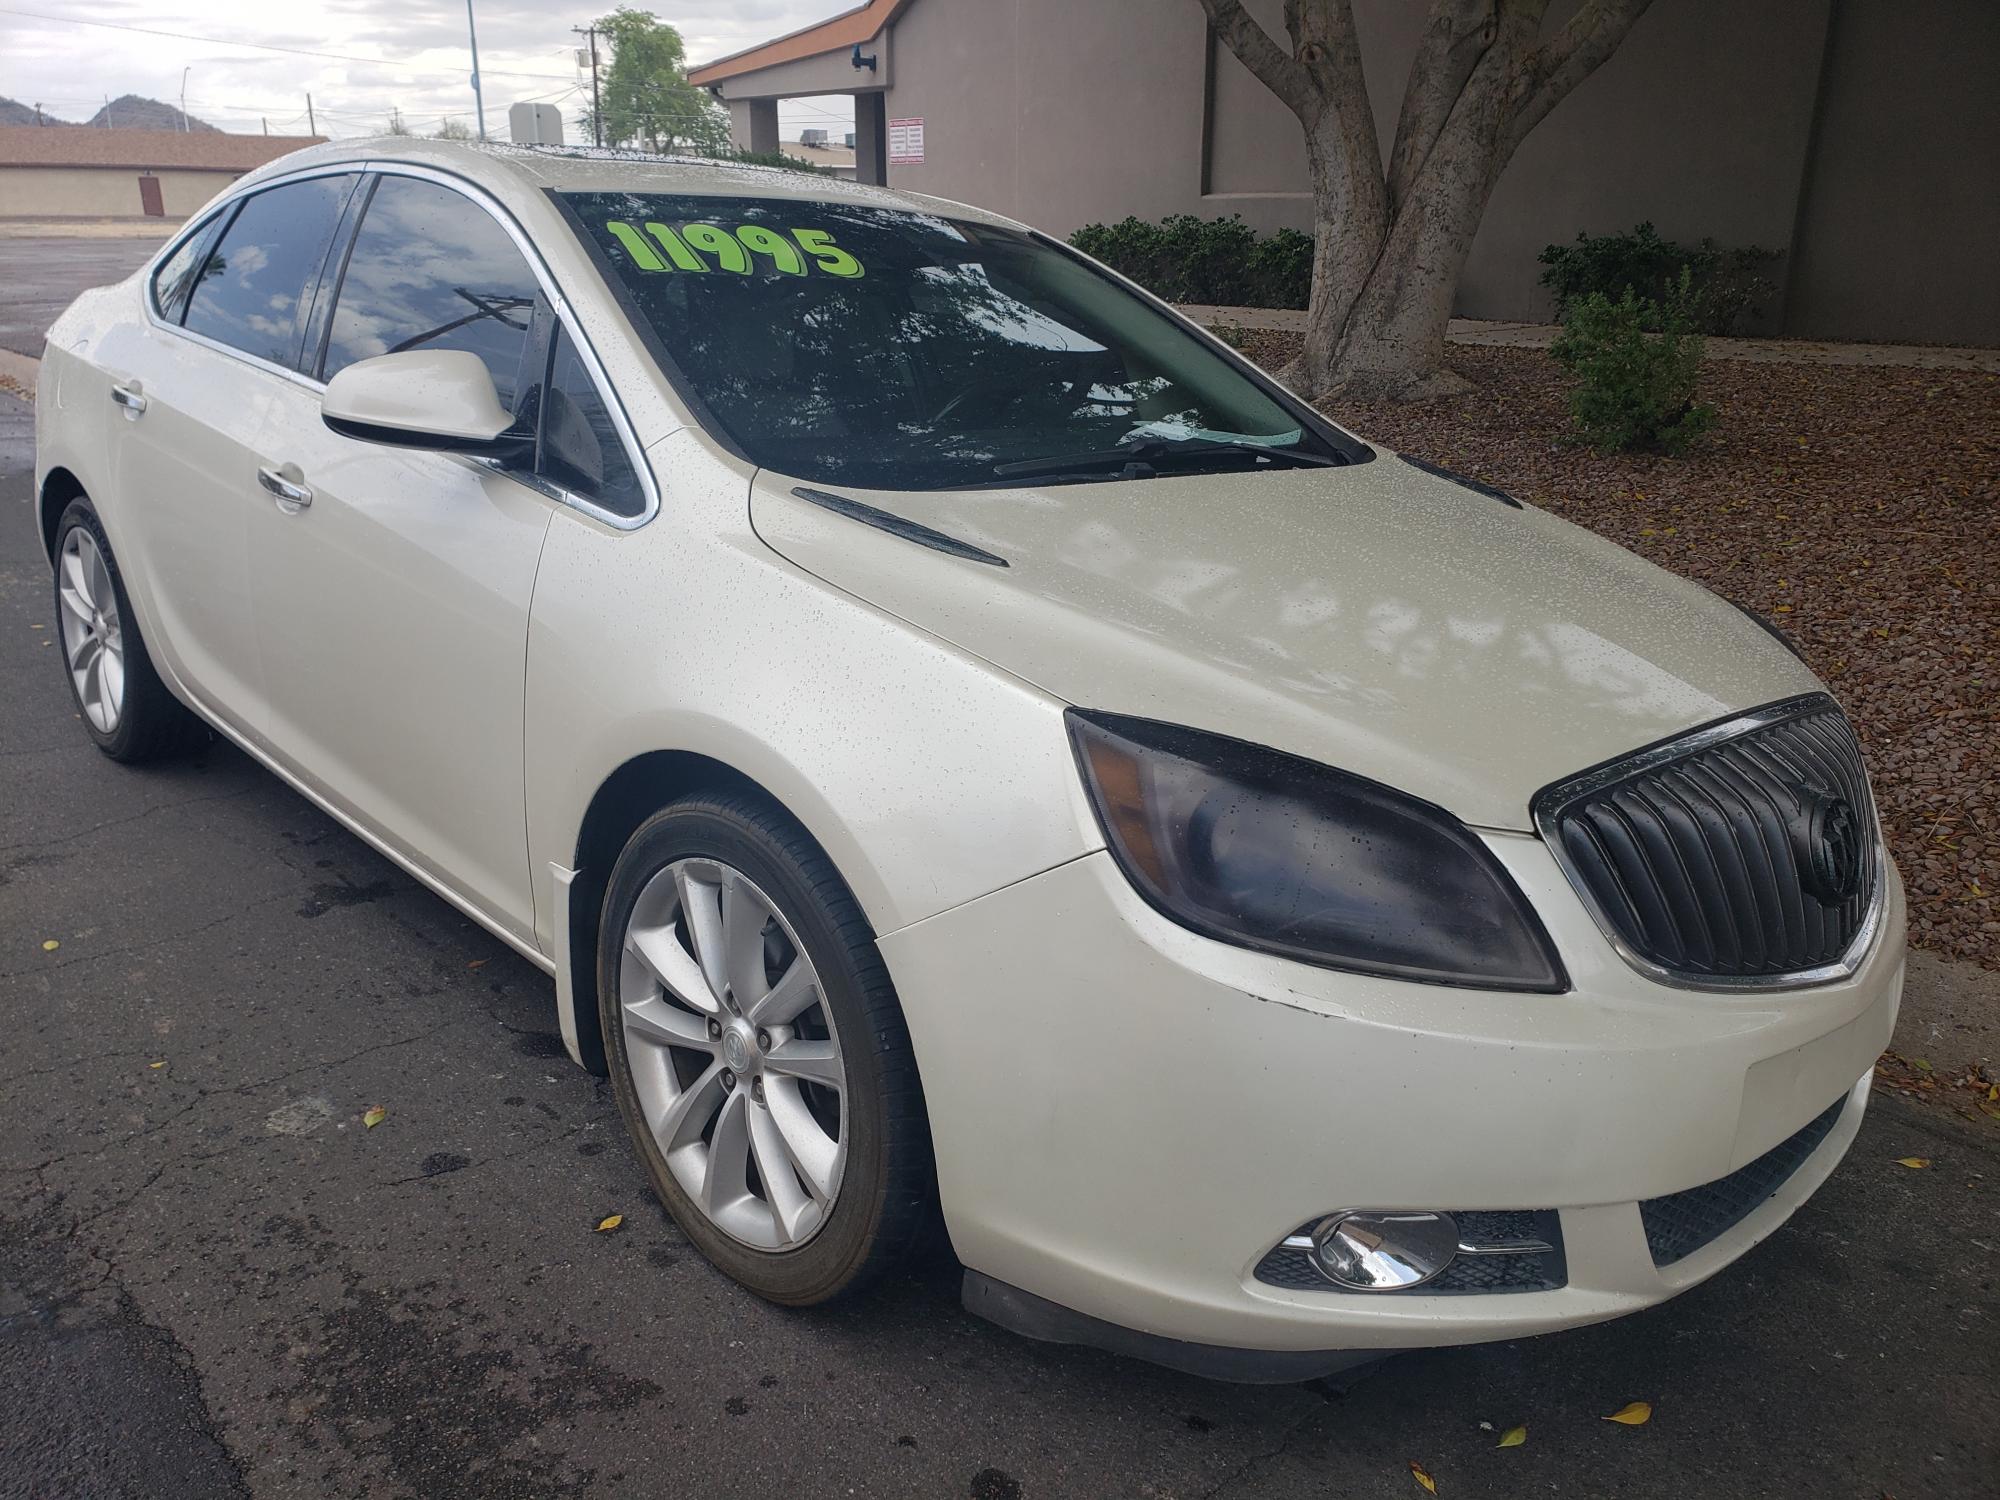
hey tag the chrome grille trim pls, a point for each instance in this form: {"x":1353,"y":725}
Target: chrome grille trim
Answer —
{"x":1554,"y":801}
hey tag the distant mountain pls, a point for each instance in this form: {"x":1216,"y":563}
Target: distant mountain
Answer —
{"x":13,"y":112}
{"x":133,"y":112}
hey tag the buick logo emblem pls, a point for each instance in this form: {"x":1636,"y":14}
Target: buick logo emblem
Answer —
{"x":1832,"y":856}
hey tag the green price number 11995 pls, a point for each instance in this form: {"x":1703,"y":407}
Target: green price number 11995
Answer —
{"x":711,"y":247}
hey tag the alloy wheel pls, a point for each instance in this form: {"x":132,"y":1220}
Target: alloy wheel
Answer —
{"x":733,"y":1054}
{"x":93,"y":634}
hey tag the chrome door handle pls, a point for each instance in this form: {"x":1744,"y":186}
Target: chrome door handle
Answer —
{"x":290,"y":496}
{"x":129,"y":397}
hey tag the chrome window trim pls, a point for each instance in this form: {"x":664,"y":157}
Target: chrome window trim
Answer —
{"x":558,"y":303}
{"x":1551,"y":799}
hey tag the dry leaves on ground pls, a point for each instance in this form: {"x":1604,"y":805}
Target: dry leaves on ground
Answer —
{"x":1858,"y":507}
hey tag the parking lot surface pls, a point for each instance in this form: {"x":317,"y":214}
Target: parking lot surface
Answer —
{"x":214,"y":1280}
{"x":41,"y":275}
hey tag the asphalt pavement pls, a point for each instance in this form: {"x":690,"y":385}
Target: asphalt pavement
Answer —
{"x":41,"y":275}
{"x":216,"y":1281}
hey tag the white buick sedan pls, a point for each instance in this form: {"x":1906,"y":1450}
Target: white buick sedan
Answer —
{"x":964,"y":741}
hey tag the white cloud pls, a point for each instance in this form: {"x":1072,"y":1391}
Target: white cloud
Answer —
{"x":526,"y":50}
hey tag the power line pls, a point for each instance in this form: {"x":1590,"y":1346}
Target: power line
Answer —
{"x":217,"y":41}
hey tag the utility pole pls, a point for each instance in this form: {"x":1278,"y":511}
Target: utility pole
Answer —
{"x":478,"y":99}
{"x":589,"y":33}
{"x":311,"y":127}
{"x":184,"y":100}
{"x":267,"y":124}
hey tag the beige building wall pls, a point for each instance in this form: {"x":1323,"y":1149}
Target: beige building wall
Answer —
{"x":102,"y":192}
{"x":1862,"y":137}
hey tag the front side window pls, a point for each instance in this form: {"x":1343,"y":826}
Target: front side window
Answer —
{"x":581,"y":449}
{"x":430,"y":269}
{"x":880,"y":347}
{"x":253,"y":287}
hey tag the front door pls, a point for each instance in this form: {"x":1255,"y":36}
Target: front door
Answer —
{"x":392,"y":591}
{"x":150,"y":203}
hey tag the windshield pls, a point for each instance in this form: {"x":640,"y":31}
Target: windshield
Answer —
{"x":877,"y":347}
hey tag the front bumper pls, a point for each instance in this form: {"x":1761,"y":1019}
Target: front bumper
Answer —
{"x":1128,"y":1116}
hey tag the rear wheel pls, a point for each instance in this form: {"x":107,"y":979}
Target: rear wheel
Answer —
{"x":757,"y":1051}
{"x":127,"y":710}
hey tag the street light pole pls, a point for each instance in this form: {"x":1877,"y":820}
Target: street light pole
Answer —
{"x":478,"y":99}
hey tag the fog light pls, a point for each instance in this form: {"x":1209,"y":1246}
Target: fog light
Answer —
{"x":1384,"y":1252}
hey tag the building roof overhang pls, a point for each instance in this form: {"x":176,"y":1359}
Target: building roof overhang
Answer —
{"x":835,"y":34}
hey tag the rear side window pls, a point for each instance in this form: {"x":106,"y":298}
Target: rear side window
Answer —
{"x":581,"y":448}
{"x":431,"y":269}
{"x":253,"y":288}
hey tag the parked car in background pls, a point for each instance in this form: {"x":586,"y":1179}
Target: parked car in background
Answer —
{"x":960,"y":738}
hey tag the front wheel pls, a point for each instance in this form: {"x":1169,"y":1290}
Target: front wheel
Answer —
{"x":757,"y":1051}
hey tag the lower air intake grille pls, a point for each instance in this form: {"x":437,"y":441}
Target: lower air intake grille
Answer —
{"x":1741,"y":854}
{"x":1681,"y":1223}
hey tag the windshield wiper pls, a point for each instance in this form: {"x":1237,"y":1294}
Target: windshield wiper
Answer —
{"x":1141,"y":459}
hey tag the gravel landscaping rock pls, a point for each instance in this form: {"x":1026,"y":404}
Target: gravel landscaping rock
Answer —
{"x":1856,"y":507}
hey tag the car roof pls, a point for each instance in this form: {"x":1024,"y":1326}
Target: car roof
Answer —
{"x":500,"y":167}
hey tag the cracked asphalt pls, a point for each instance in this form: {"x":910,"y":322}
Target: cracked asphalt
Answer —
{"x":215,"y":1282}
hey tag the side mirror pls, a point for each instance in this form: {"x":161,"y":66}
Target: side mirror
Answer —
{"x":440,"y":399}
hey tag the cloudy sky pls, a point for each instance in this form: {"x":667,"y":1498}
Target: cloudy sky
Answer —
{"x":406,"y":54}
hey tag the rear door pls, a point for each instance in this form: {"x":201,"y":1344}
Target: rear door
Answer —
{"x":194,"y":385}
{"x":393,"y":603}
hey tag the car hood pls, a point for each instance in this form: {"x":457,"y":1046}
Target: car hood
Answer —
{"x":1375,"y":617}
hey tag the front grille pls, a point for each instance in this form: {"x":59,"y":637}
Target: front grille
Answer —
{"x":1680,"y":1224}
{"x":1544,"y":1272}
{"x":1744,"y":853}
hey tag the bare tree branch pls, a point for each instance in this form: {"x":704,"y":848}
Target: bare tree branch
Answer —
{"x":1279,"y":72}
{"x":1569,"y":57}
{"x":1455,"y":38}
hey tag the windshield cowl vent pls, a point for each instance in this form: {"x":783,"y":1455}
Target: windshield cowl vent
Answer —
{"x":909,"y":531}
{"x":1477,"y":486}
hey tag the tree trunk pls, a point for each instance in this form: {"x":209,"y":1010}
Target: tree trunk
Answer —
{"x":1389,"y":243}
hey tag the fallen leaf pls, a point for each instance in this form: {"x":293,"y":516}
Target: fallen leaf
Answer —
{"x":160,"y":1064}
{"x":375,"y":1116}
{"x":1513,"y":1437}
{"x":49,"y":945}
{"x":1914,"y":1163}
{"x":477,"y":963}
{"x":1422,"y":1477}
{"x":1920,"y":1065}
{"x":1633,"y":1414}
{"x":606,"y":1225}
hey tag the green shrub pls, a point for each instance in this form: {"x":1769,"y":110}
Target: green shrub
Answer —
{"x":1223,"y":262}
{"x":1724,"y":288}
{"x":1635,"y":361}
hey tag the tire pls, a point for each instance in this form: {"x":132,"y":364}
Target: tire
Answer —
{"x":147,"y":722}
{"x":788,"y":893}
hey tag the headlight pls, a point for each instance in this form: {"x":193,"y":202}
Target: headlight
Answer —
{"x":1268,"y":851}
